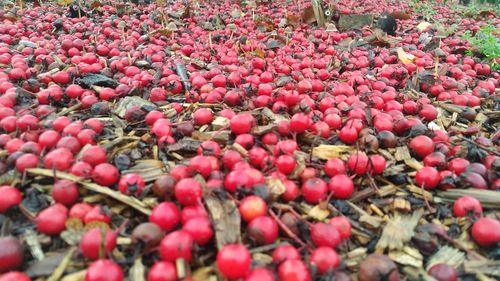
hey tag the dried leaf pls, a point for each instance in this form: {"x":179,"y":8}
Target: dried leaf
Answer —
{"x":488,"y":198}
{"x":381,"y":39}
{"x":353,"y":21}
{"x":203,"y":273}
{"x":138,"y":271}
{"x":414,"y":259}
{"x":489,"y":267}
{"x":401,"y":15}
{"x":96,"y":4}
{"x":226,"y":220}
{"x":131,"y":201}
{"x":64,"y":2}
{"x":260,"y":53}
{"x":46,"y":266}
{"x":276,"y":186}
{"x":326,"y":152}
{"x":423,"y":25}
{"x":404,"y":57}
{"x":59,"y":271}
{"x":319,"y":212}
{"x":308,"y":15}
{"x":399,"y":230}
{"x":293,"y":20}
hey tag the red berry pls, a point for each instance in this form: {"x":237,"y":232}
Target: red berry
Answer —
{"x":200,"y":164}
{"x":285,"y":252}
{"x":428,"y":177}
{"x":165,"y":215}
{"x":105,"y":174}
{"x":10,"y":197}
{"x":285,"y":164}
{"x":325,"y":259}
{"x":466,"y":205}
{"x":175,"y":245}
{"x":94,"y":155}
{"x":263,"y":230}
{"x":11,"y":254}
{"x":358,"y":163}
{"x":65,"y":192}
{"x":203,"y":116}
{"x":293,"y":270}
{"x":377,"y":163}
{"x":422,"y":146}
{"x":131,"y":184}
{"x":90,"y":244}
{"x":342,"y":186}
{"x":458,"y":165}
{"x":334,"y":167}
{"x":348,"y":135}
{"x":52,"y":220}
{"x":486,"y":231}
{"x":300,"y":122}
{"x":342,"y":225}
{"x":252,"y":207}
{"x":104,"y":270}
{"x":200,"y":229}
{"x":14,"y":276}
{"x":162,"y":271}
{"x":242,"y":123}
{"x":59,"y":159}
{"x":188,"y":192}
{"x":99,"y":214}
{"x":314,"y":190}
{"x":81,"y":169}
{"x":259,"y":274}
{"x":326,"y":235}
{"x":79,"y":210}
{"x":233,"y":261}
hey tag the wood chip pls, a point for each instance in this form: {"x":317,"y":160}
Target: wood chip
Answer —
{"x":326,"y":152}
{"x":59,"y":271}
{"x":489,"y":267}
{"x":402,"y":153}
{"x":448,"y":255}
{"x":138,"y":271}
{"x":399,"y":230}
{"x":226,"y":220}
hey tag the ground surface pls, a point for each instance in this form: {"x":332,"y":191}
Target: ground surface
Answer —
{"x":244,"y":123}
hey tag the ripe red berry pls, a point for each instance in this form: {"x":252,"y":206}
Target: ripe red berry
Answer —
{"x":79,"y":210}
{"x":259,"y":274}
{"x":466,"y":205}
{"x":458,"y":165}
{"x":59,"y":159}
{"x":323,"y":234}
{"x":202,"y":116}
{"x":252,"y":207}
{"x":342,"y":225}
{"x":422,"y":146}
{"x":348,"y":135}
{"x":105,"y":174}
{"x":334,"y":167}
{"x":342,"y":186}
{"x":200,"y":229}
{"x":104,"y":270}
{"x":237,"y":179}
{"x":428,"y":177}
{"x":175,"y":245}
{"x":200,"y":164}
{"x":11,"y":254}
{"x":314,"y":190}
{"x":263,"y":230}
{"x":131,"y":184}
{"x":94,"y":155}
{"x":358,"y":163}
{"x":10,"y":197}
{"x":14,"y":276}
{"x":377,"y":164}
{"x":98,"y":214}
{"x":285,"y":252}
{"x":165,"y":215}
{"x":52,"y":220}
{"x":293,"y":270}
{"x":242,"y":123}
{"x":300,"y":122}
{"x":285,"y":164}
{"x":81,"y":169}
{"x":162,"y":271}
{"x":188,"y":192}
{"x":325,"y":259}
{"x":65,"y":192}
{"x":486,"y":231}
{"x":233,"y":261}
{"x":90,"y":244}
